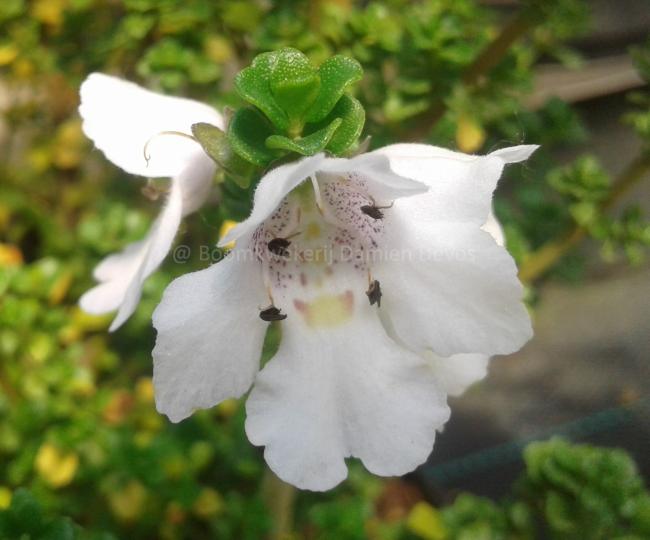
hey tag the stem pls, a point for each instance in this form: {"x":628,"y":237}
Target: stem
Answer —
{"x":542,"y":260}
{"x":6,"y":387}
{"x":514,"y":29}
{"x":279,"y":498}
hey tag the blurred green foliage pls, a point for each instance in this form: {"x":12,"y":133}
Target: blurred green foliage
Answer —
{"x":585,"y":492}
{"x":78,"y":427}
{"x":567,"y":492}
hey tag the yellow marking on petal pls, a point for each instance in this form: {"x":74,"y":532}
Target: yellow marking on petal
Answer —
{"x":312,"y":231}
{"x":55,"y":467}
{"x":225,"y":229}
{"x":328,"y":310}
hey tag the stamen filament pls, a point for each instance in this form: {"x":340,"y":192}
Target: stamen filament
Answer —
{"x":317,"y":195}
{"x":145,"y":152}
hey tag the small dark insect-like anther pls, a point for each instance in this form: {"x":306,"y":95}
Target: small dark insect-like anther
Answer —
{"x":278,"y":246}
{"x":374,"y":293}
{"x":374,"y":211}
{"x":272,"y":313}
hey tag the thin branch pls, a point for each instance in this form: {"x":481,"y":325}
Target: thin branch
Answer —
{"x":5,"y":386}
{"x":279,"y":498}
{"x":542,"y":260}
{"x":514,"y":29}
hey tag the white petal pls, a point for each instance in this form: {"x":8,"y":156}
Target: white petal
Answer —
{"x":196,"y":180}
{"x":453,"y":289}
{"x":458,"y":372}
{"x":339,"y":392}
{"x":494,"y":229}
{"x":209,"y":336}
{"x":122,"y":275}
{"x":383,"y":183}
{"x":272,"y":188}
{"x":454,"y":374}
{"x":376,"y":170}
{"x":460,"y":185}
{"x":114,"y":274}
{"x":121,"y":118}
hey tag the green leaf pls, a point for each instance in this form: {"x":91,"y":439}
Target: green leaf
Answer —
{"x":352,"y":116}
{"x":216,"y":145}
{"x":309,"y":145}
{"x":59,"y":529}
{"x":252,"y":85}
{"x":294,"y":84}
{"x":27,"y":511}
{"x":247,"y":134}
{"x":336,"y":74}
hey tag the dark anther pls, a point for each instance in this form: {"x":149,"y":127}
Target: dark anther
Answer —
{"x":374,"y":293}
{"x":272,"y":313}
{"x":278,"y":246}
{"x":374,"y":211}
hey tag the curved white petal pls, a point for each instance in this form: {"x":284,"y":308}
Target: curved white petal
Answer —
{"x":458,"y":372}
{"x":122,"y":275}
{"x":121,"y":118}
{"x":375,"y":170}
{"x":453,"y":289}
{"x":331,"y":393}
{"x":209,"y":336}
{"x":454,"y":374}
{"x":494,"y":229}
{"x":460,"y":185}
{"x":113,"y":273}
{"x":196,"y":180}
{"x":272,"y":188}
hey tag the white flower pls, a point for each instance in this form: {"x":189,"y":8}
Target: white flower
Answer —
{"x":122,"y":118}
{"x":401,"y":226}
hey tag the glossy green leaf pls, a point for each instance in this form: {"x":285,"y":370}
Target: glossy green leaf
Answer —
{"x":247,"y":134}
{"x":352,"y":116}
{"x":215,"y":143}
{"x":336,"y":74}
{"x":294,"y":84}
{"x":253,"y":85}
{"x":309,"y":145}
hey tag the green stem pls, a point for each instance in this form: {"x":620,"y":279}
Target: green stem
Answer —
{"x":279,"y":498}
{"x":542,"y":260}
{"x":5,"y":386}
{"x":516,"y":28}
{"x":474,"y":75}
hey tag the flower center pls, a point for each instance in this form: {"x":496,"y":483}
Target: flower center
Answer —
{"x":317,"y":249}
